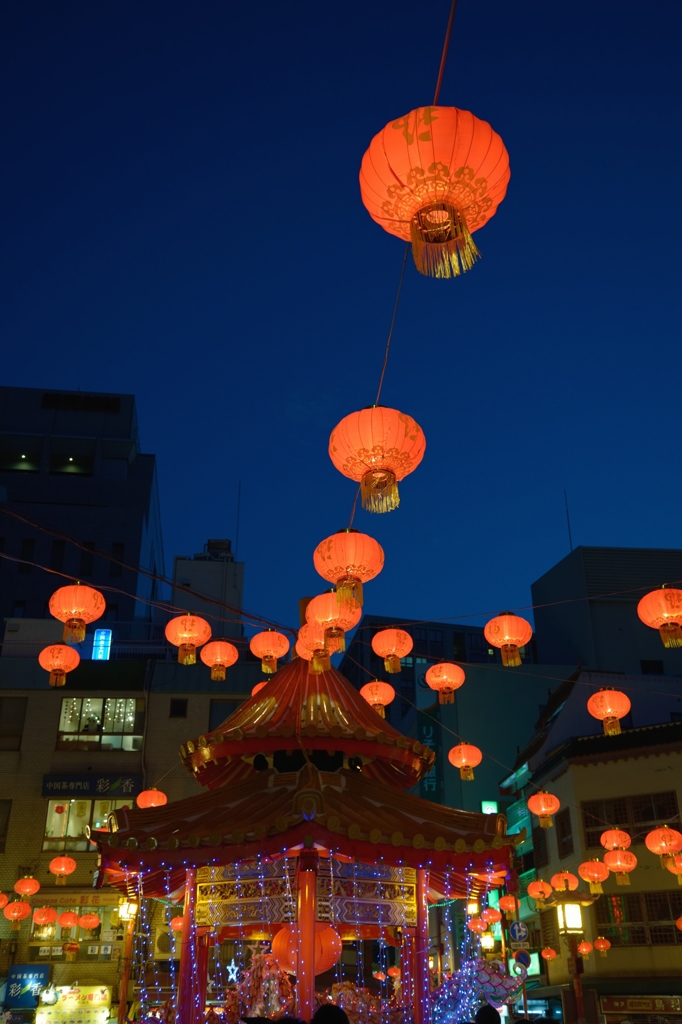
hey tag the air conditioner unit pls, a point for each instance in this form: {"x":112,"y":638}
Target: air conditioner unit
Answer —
{"x":166,"y":944}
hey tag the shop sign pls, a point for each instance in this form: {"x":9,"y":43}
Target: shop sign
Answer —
{"x":24,"y":982}
{"x":77,"y":1004}
{"x":96,"y":785}
{"x":96,"y":898}
{"x":641,"y":1004}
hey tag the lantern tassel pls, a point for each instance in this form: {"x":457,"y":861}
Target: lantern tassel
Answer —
{"x":379,"y":491}
{"x":392,"y":664}
{"x":612,"y":727}
{"x":596,"y":888}
{"x":268,"y":664}
{"x":546,"y":821}
{"x":218,"y":673}
{"x":74,"y":631}
{"x":334,"y":640}
{"x":446,"y":696}
{"x":466,"y":773}
{"x":671,"y":634}
{"x":442,"y":245}
{"x":510,"y":655}
{"x":622,"y":878}
{"x":348,"y":590}
{"x":187,"y":654}
{"x":57,"y":677}
{"x":320,"y":662}
{"x":380,"y":710}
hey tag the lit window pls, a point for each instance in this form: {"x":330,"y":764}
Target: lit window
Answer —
{"x":67,"y":821}
{"x":570,"y":918}
{"x":101,"y":723}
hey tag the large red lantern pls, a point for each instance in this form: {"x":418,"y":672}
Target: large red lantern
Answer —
{"x":445,"y":678}
{"x":177,"y":924}
{"x":348,"y":559}
{"x":621,"y":862}
{"x":335,"y":618}
{"x":61,"y":867}
{"x":218,"y":655}
{"x":678,"y":924}
{"x":662,"y":610}
{"x":665,"y":842}
{"x":328,"y":948}
{"x":27,"y":886}
{"x":466,"y":757}
{"x":311,"y":647}
{"x":3,"y":900}
{"x":76,"y":606}
{"x":491,"y":915}
{"x":58,"y":659}
{"x":392,"y":645}
{"x":539,"y":890}
{"x":433,"y":177}
{"x":509,"y":904}
{"x":89,"y":922}
{"x":674,"y":866}
{"x":609,"y":706}
{"x":544,"y":805}
{"x":564,"y":881}
{"x":44,"y":915}
{"x":378,"y":447}
{"x":378,"y":694}
{"x":585,"y":948}
{"x":594,"y":872}
{"x":615,"y":839}
{"x":269,"y":646}
{"x":68,"y":919}
{"x":258,"y":687}
{"x":508,"y":632}
{"x":602,"y":944}
{"x":548,"y":953}
{"x":15,"y":912}
{"x":187,"y":632}
{"x":151,"y":798}
{"x":477,"y":924}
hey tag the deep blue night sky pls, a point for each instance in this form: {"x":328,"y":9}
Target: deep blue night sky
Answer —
{"x":182,"y":220}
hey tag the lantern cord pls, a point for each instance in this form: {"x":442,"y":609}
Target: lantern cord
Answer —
{"x":444,"y":55}
{"x":390,"y":333}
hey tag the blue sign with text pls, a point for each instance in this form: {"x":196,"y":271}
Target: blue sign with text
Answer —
{"x":101,"y":645}
{"x":24,"y":982}
{"x":97,"y":785}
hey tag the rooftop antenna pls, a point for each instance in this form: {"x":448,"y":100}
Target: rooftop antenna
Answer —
{"x":568,"y":520}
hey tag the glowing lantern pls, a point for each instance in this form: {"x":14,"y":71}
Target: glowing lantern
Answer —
{"x":27,"y":886}
{"x":609,"y":706}
{"x":328,"y":948}
{"x":16,"y":912}
{"x":678,"y":924}
{"x":674,"y":866}
{"x":58,"y":660}
{"x":602,"y":945}
{"x":89,"y":922}
{"x":151,"y":798}
{"x":378,"y":694}
{"x":615,"y":839}
{"x":70,"y":947}
{"x":491,"y":916}
{"x":269,"y":646}
{"x":392,"y":645}
{"x":539,"y":890}
{"x":466,"y":757}
{"x":585,"y":948}
{"x":662,"y":610}
{"x":334,"y":618}
{"x":76,"y":606}
{"x":187,"y":632}
{"x":445,"y":678}
{"x":61,"y":867}
{"x":393,"y":972}
{"x":594,"y":872}
{"x":379,"y":975}
{"x":548,"y":953}
{"x":3,"y":900}
{"x":218,"y":655}
{"x":45,"y":915}
{"x":665,"y":842}
{"x":476,"y":924}
{"x":433,"y":177}
{"x":564,"y":881}
{"x":348,"y":559}
{"x":176,"y":924}
{"x":509,"y":904}
{"x":311,"y":647}
{"x":621,"y":862}
{"x":68,"y":919}
{"x":544,"y":805}
{"x":258,"y":687}
{"x":378,"y":447}
{"x":508,"y":632}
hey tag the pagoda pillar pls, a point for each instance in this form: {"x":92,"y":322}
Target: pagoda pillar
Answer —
{"x":422,"y":986}
{"x":189,"y":1010}
{"x":307,"y":919}
{"x":203,"y":949}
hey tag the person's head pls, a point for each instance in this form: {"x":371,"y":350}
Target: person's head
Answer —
{"x":329,"y":1013}
{"x":487,"y":1014}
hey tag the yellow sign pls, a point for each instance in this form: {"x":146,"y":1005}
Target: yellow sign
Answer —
{"x":77,"y":1004}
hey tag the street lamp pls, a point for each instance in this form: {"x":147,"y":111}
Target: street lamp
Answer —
{"x":487,"y":940}
{"x":570,"y":918}
{"x":127,"y":910}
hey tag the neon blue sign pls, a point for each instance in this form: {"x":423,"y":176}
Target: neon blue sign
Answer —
{"x":101,"y":645}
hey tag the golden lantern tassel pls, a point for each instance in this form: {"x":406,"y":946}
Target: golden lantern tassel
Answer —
{"x":466,"y":773}
{"x":187,"y":654}
{"x":510,"y":655}
{"x":671,"y":634}
{"x":320,"y":662}
{"x":349,"y":590}
{"x":218,"y":673}
{"x":446,"y":696}
{"x":380,"y":710}
{"x":392,"y":664}
{"x":612,"y":727}
{"x":442,"y":245}
{"x":379,"y":491}
{"x":74,"y":631}
{"x":335,"y":640}
{"x":57,"y":677}
{"x":622,"y":878}
{"x":268,"y":665}
{"x":596,"y":888}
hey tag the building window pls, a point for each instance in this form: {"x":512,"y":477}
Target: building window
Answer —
{"x":19,"y":610}
{"x":67,"y":821}
{"x":178,"y":707}
{"x":12,"y":715}
{"x":101,"y":723}
{"x":540,"y":852}
{"x":436,"y":641}
{"x":117,"y":552}
{"x":28,"y":547}
{"x":634,"y":814}
{"x":57,"y":555}
{"x":640,"y":919}
{"x":219,"y":711}
{"x":564,"y":833}
{"x":87,"y":558}
{"x":5,"y":809}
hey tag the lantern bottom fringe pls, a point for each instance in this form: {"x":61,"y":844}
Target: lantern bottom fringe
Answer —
{"x":268,"y":665}
{"x":546,"y":821}
{"x":466,"y":773}
{"x":218,"y":673}
{"x":379,"y":489}
{"x":622,"y":878}
{"x":679,"y":879}
{"x":442,"y":245}
{"x":320,"y":663}
{"x":392,"y":664}
{"x":187,"y":654}
{"x":510,"y":655}
{"x":612,"y":727}
{"x":335,"y":640}
{"x":380,"y":710}
{"x":446,"y":696}
{"x":671,"y":634}
{"x":74,"y":631}
{"x":666,"y":858}
{"x":596,"y":888}
{"x":349,"y":589}
{"x":57,"y":677}
{"x":60,"y":880}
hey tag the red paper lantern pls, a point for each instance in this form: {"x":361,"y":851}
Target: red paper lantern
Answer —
{"x":594,"y":872}
{"x":58,"y":659}
{"x":89,"y":922}
{"x":509,"y":904}
{"x":328,"y":947}
{"x":3,"y":900}
{"x":674,"y":866}
{"x":45,"y":915}
{"x":548,"y":953}
{"x":490,"y":915}
{"x":61,"y":867}
{"x":70,"y":947}
{"x":258,"y":687}
{"x":665,"y":842}
{"x":602,"y":944}
{"x":310,"y":646}
{"x":151,"y":798}
{"x":76,"y":606}
{"x":564,"y":881}
{"x":269,"y":646}
{"x":378,"y":694}
{"x":544,"y":805}
{"x":187,"y":632}
{"x":662,"y":610}
{"x":59,"y":809}
{"x":378,"y":447}
{"x":445,"y":678}
{"x":392,"y":645}
{"x":335,"y":618}
{"x":348,"y":559}
{"x":508,"y":632}
{"x":539,"y":890}
{"x":615,"y":839}
{"x":218,"y":655}
{"x":466,"y":757}
{"x":393,"y":972}
{"x":68,"y":919}
{"x":17,"y":911}
{"x":585,"y":948}
{"x":609,"y":706}
{"x":177,"y":924}
{"x":477,"y":924}
{"x":433,"y":177}
{"x":27,"y":886}
{"x":621,"y":862}
{"x":678,"y":924}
